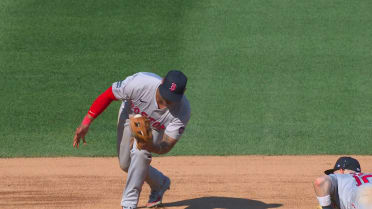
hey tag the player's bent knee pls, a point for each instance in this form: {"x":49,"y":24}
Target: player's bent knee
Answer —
{"x":143,"y":156}
{"x":125,"y":168}
{"x":124,"y":165}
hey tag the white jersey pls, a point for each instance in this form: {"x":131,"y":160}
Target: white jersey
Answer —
{"x":345,"y":188}
{"x":138,"y":93}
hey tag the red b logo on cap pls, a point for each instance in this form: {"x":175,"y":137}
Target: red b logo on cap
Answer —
{"x":173,"y":87}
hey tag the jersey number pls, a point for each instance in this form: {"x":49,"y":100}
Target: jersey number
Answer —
{"x":360,"y":178}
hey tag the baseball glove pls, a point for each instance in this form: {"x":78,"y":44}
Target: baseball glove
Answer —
{"x":141,"y":130}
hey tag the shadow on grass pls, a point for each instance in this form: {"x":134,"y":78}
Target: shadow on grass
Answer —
{"x":221,"y":202}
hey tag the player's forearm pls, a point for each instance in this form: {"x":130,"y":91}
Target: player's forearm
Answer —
{"x":161,"y":148}
{"x":88,"y":119}
{"x":164,"y":146}
{"x":101,"y":103}
{"x":322,"y":187}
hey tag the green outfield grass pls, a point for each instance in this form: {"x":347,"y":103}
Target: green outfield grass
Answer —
{"x":265,"y":77}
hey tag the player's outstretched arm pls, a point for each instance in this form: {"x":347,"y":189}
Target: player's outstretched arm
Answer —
{"x":98,"y":106}
{"x":322,"y":187}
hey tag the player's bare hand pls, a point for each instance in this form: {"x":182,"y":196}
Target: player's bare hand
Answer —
{"x":80,"y":133}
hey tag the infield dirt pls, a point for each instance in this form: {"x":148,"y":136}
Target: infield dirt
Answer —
{"x":233,"y":182}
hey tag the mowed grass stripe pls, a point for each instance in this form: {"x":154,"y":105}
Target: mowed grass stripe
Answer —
{"x":265,"y":77}
{"x":280,"y":77}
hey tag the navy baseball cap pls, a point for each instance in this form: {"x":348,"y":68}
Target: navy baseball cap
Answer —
{"x":173,"y":86}
{"x":345,"y":163}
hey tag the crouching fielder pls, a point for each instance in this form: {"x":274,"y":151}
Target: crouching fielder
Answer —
{"x":344,"y":186}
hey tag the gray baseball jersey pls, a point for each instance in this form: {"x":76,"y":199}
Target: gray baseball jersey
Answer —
{"x":345,"y":188}
{"x":138,"y":93}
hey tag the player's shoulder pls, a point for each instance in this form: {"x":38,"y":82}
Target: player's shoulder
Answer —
{"x":144,"y":80}
{"x":342,"y":177}
{"x":365,"y":174}
{"x":147,"y":76}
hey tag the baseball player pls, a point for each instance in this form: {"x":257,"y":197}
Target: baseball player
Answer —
{"x":163,"y":103}
{"x":344,"y":186}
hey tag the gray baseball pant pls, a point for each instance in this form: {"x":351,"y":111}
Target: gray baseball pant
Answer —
{"x":135,"y":162}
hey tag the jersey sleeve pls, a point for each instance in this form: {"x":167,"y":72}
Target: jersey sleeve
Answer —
{"x":333,"y":183}
{"x":123,"y":90}
{"x":177,"y":126}
{"x":334,"y":190}
{"x":101,"y":103}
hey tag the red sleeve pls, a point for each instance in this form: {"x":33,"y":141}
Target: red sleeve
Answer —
{"x":101,"y":103}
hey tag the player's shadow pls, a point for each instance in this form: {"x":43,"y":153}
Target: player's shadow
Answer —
{"x":221,"y":202}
